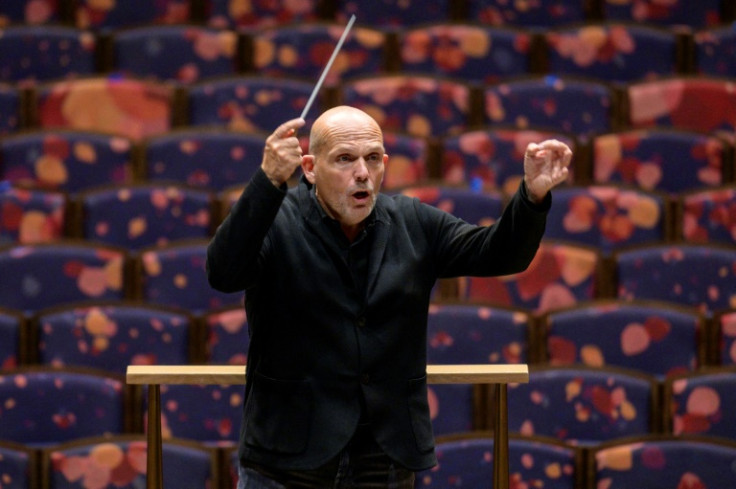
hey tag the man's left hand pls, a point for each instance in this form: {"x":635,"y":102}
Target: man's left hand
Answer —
{"x":545,"y":165}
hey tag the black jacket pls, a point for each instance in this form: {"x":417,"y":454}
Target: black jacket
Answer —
{"x":317,"y":346}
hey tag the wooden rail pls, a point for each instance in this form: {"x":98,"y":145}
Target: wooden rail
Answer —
{"x":155,"y":375}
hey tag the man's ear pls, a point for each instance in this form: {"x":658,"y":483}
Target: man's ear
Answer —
{"x":308,"y":167}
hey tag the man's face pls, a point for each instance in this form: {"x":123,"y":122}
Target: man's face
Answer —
{"x":348,"y":170}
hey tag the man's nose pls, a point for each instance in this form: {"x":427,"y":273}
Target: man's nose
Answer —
{"x":361,"y":169}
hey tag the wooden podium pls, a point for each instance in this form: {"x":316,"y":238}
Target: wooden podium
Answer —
{"x":155,"y":375}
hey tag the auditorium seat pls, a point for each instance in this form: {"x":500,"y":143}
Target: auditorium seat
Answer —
{"x":473,"y":206}
{"x":659,"y":339}
{"x":715,"y":51}
{"x":18,"y":466}
{"x":707,"y":215}
{"x":674,"y":13}
{"x":13,"y":335}
{"x":723,"y":337}
{"x":227,"y":336}
{"x":391,"y":14}
{"x":30,"y":12}
{"x":67,"y":160}
{"x":531,"y":15}
{"x":256,"y":15}
{"x":106,"y":17}
{"x":32,"y":216}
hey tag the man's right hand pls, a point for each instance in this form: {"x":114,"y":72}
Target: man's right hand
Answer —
{"x":282,"y":154}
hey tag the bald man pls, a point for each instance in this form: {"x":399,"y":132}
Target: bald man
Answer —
{"x":338,"y":279}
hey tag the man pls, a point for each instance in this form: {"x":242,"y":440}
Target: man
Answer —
{"x":338,"y":280}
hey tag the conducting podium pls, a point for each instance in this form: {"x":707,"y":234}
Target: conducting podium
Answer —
{"x":153,"y":376}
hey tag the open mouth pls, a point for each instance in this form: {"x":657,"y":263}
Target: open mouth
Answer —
{"x":361,"y":195}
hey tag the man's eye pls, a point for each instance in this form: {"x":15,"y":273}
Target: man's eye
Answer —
{"x":344,"y":159}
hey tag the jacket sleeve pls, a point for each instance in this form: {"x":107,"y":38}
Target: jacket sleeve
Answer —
{"x":234,"y":253}
{"x":508,"y":246}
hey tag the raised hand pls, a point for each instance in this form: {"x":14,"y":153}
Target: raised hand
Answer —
{"x":545,"y":165}
{"x":282,"y":153}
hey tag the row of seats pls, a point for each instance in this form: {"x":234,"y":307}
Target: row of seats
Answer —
{"x":224,"y":13}
{"x":657,"y":338}
{"x":561,"y":274}
{"x":465,"y":461}
{"x":135,"y":216}
{"x":423,"y":106}
{"x":579,"y":405}
{"x":609,"y":52}
{"x":488,"y":159}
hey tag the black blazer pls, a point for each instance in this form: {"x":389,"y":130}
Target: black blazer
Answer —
{"x":317,"y":345}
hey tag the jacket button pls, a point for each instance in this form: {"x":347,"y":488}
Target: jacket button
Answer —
{"x":361,"y":321}
{"x":365,"y":378}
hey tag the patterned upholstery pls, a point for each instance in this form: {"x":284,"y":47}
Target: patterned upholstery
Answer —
{"x":209,"y":414}
{"x":120,"y":462}
{"x":111,"y":336}
{"x":471,"y":334}
{"x":250,"y":104}
{"x":29,"y":12}
{"x":46,"y":406}
{"x":390,"y":13}
{"x":418,"y":105}
{"x":108,"y":16}
{"x":657,"y":339}
{"x":613,"y":52}
{"x":469,"y":52}
{"x":543,"y":13}
{"x":408,"y":160}
{"x":214,"y":159}
{"x":31,"y":53}
{"x":139,"y":215}
{"x":228,"y":336}
{"x":701,"y":403}
{"x":607,"y":217}
{"x":674,"y":12}
{"x":31,"y":216}
{"x":560,"y":275}
{"x":123,"y":107}
{"x":17,"y":466}
{"x":682,"y":462}
{"x":708,"y":216}
{"x":725,"y":326}
{"x":11,"y":116}
{"x":715,"y":51}
{"x":694,"y":104}
{"x":66,"y":160}
{"x":302,"y":50}
{"x":226,"y":13}
{"x":469,"y":205}
{"x":12,"y":330}
{"x":467,"y":462}
{"x":693,"y":275}
{"x":493,"y":158}
{"x":182,"y":53}
{"x":659,"y":159}
{"x":44,"y":275}
{"x":582,"y":404}
{"x":552,"y":103}
{"x":174,"y":275}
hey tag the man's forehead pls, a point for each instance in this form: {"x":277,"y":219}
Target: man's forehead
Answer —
{"x":356,"y":145}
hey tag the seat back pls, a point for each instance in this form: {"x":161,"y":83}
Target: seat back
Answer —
{"x":393,"y":14}
{"x":608,"y":217}
{"x":228,"y":336}
{"x":13,"y":332}
{"x":677,"y":12}
{"x":150,"y":214}
{"x":70,"y":161}
{"x":660,"y":159}
{"x":541,"y":14}
{"x":43,"y":406}
{"x":552,"y":103}
{"x":475,"y":207}
{"x":707,"y":216}
{"x":121,"y":461}
{"x":176,"y":53}
{"x":220,"y":13}
{"x":700,"y":276}
{"x":46,"y":275}
{"x":36,"y":53}
{"x":663,"y":461}
{"x":18,"y":466}
{"x":614,"y":52}
{"x":32,"y":216}
{"x":493,"y":158}
{"x":174,"y":275}
{"x":214,"y":159}
{"x":111,"y":336}
{"x":725,"y":337}
{"x":303,"y":50}
{"x":25,"y":12}
{"x":655,"y":338}
{"x":124,"y":107}
{"x":418,"y":105}
{"x":583,"y":404}
{"x":475,"y":53}
{"x":107,"y":16}
{"x":409,"y":162}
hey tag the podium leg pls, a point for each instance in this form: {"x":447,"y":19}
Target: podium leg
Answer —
{"x":154,"y":462}
{"x":501,"y":439}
